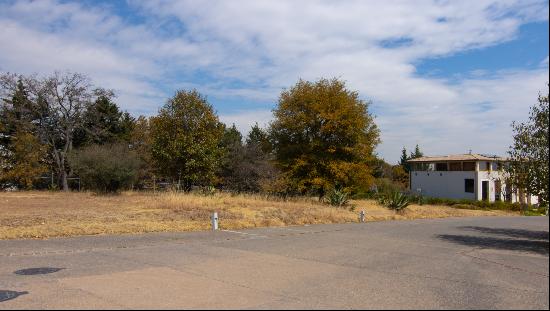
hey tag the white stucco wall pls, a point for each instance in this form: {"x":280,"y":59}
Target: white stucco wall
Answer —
{"x":491,"y":177}
{"x":443,"y":184}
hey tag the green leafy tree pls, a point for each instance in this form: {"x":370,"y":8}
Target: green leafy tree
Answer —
{"x":106,"y":168}
{"x":323,"y":136}
{"x":528,"y":167}
{"x":185,"y":139}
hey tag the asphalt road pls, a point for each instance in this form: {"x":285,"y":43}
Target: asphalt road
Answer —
{"x":462,"y":263}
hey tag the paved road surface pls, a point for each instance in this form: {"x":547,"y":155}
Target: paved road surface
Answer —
{"x":447,"y":263}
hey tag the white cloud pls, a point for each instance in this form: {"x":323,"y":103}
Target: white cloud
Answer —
{"x":250,"y":50}
{"x":244,"y":120}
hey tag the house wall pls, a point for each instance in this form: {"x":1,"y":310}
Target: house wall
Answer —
{"x":443,"y":184}
{"x":451,"y":185}
{"x":491,"y":177}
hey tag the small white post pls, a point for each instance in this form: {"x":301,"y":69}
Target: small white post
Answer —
{"x":362,"y":216}
{"x":215,"y":221}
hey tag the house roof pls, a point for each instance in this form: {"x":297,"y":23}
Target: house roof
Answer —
{"x":458,"y":157}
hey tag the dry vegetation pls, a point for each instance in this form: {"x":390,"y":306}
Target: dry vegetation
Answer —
{"x":48,"y":214}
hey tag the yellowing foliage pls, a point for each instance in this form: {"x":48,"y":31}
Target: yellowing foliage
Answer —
{"x":323,"y":135}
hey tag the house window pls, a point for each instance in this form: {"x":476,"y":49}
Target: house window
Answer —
{"x":455,"y":166}
{"x":469,"y":166}
{"x":469,"y":185}
{"x":441,"y":166}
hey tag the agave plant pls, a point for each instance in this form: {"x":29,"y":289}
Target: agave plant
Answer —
{"x":397,"y":201}
{"x":208,"y":191}
{"x":338,"y":197}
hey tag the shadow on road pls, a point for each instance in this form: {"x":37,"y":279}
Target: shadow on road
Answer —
{"x":6,"y":295}
{"x":512,"y":233}
{"x":508,"y":239}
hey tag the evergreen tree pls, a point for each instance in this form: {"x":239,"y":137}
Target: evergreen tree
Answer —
{"x":417,"y":153}
{"x":104,"y":123}
{"x":23,"y":157}
{"x":258,"y":136}
{"x":403,"y":160}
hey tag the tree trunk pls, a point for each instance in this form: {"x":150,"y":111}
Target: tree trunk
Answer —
{"x":64,"y":180}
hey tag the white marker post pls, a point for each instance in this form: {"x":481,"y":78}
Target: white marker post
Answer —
{"x":215,"y":221}
{"x":362,"y":216}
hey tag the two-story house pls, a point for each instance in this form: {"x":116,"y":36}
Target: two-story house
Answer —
{"x":463,"y":176}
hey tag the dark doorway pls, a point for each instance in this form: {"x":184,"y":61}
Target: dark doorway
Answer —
{"x":485,"y":190}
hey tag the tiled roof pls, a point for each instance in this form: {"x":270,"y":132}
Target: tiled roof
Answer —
{"x":458,"y":157}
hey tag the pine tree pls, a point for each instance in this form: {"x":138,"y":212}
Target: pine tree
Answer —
{"x":403,"y":161}
{"x":258,"y":136}
{"x":417,"y":153}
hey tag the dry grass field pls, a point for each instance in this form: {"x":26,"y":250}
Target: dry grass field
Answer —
{"x":54,"y":214}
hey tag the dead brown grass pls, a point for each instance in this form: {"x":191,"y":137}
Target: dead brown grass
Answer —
{"x":54,"y":214}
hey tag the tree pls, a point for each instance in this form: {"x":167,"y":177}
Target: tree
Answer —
{"x":404,"y":158}
{"x":185,"y":138}
{"x":140,"y":142}
{"x":403,"y":161}
{"x":106,"y":168}
{"x":14,"y":112}
{"x":246,"y":168}
{"x":57,"y":103}
{"x":22,"y":155}
{"x":259,"y":137}
{"x":400,"y":176}
{"x":26,"y":161}
{"x":417,"y":153}
{"x":104,"y":123}
{"x":528,"y":168}
{"x":323,"y":136}
{"x":231,"y":138}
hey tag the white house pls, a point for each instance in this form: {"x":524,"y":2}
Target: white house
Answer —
{"x":463,"y":176}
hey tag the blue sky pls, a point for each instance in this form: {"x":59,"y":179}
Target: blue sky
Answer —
{"x":449,"y":76}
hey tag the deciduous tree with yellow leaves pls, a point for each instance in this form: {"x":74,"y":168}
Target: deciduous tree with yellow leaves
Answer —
{"x":324,"y":136}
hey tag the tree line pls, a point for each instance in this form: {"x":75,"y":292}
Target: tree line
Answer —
{"x":322,"y":137}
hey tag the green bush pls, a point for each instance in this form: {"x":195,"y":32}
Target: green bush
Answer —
{"x":337,"y":197}
{"x":106,"y":168}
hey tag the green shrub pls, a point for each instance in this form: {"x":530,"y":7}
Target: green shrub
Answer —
{"x":337,"y":197}
{"x":106,"y":168}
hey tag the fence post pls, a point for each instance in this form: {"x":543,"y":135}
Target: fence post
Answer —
{"x":215,"y":221}
{"x":362,"y":216}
